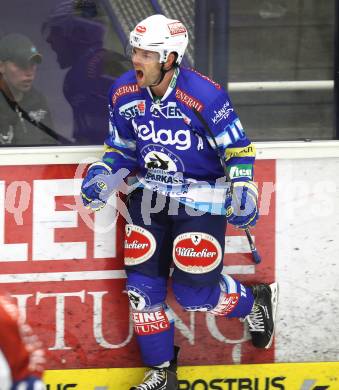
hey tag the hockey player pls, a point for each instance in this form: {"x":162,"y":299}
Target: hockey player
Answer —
{"x":179,"y":212}
{"x":22,"y":358}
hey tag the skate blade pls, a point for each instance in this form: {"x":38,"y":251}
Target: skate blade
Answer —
{"x":274,"y":300}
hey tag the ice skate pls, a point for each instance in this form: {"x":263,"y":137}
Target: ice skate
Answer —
{"x":261,"y":320}
{"x":160,"y":378}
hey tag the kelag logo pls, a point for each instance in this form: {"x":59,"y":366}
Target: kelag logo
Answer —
{"x":235,"y":384}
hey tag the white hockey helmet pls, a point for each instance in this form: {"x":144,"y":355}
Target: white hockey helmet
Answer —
{"x":162,"y":35}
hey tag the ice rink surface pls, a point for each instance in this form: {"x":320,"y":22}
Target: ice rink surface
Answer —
{"x":307,"y":267}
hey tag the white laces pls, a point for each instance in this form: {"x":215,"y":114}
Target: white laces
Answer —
{"x":156,"y":106}
{"x":255,"y":320}
{"x":152,"y":379}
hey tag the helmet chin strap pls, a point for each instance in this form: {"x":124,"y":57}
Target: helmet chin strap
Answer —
{"x":162,"y":74}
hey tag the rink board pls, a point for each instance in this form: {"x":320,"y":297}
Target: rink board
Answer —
{"x":65,"y":269}
{"x":291,"y":376}
{"x":69,"y":280}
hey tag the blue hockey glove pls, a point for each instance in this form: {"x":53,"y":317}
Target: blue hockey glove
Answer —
{"x":94,"y":188}
{"x":30,"y":383}
{"x":242,"y":205}
{"x":99,"y":183}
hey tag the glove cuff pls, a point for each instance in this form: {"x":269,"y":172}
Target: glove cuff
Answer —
{"x":249,"y":184}
{"x":100,"y":164}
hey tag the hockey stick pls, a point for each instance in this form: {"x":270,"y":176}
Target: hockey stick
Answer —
{"x":255,"y":254}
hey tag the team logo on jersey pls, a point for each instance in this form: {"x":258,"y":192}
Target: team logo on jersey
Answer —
{"x":155,"y":161}
{"x":241,"y":170}
{"x":180,"y":139}
{"x":150,"y":322}
{"x":196,"y":252}
{"x":247,"y":151}
{"x":140,"y":245}
{"x":226,"y":305}
{"x":125,"y":90}
{"x":137,"y":298}
{"x":169,"y":111}
{"x":223,"y":113}
{"x":132,"y":109}
{"x":162,"y":165}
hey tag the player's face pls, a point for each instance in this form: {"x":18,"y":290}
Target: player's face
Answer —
{"x":18,"y":77}
{"x":147,"y":67}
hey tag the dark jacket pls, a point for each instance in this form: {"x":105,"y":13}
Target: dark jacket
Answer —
{"x":15,"y":130}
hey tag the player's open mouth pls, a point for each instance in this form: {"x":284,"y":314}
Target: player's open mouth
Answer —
{"x":139,"y":74}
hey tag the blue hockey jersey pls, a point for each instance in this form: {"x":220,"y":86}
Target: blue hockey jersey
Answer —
{"x":164,"y":143}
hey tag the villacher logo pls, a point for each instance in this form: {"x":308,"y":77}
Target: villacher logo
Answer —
{"x":196,"y":252}
{"x":139,"y":244}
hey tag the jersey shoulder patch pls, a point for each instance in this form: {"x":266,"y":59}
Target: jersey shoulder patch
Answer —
{"x":124,"y":86}
{"x":197,"y":90}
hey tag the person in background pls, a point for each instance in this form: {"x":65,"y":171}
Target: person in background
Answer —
{"x":22,"y":357}
{"x":77,"y":37}
{"x":25,"y":118}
